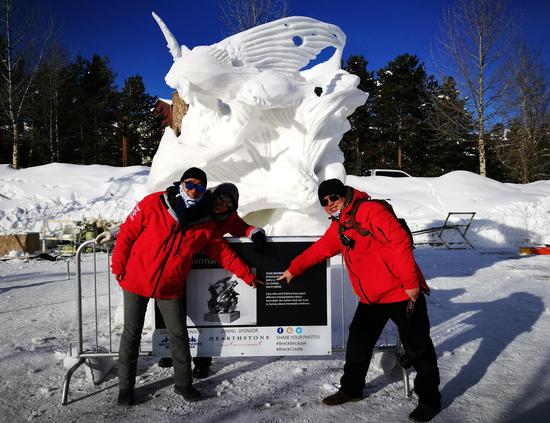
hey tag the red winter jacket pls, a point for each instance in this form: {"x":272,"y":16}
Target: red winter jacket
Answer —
{"x":380,"y":265}
{"x":154,"y":253}
{"x":235,"y":226}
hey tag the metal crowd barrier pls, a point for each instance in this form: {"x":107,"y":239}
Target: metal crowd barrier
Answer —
{"x":99,"y":351}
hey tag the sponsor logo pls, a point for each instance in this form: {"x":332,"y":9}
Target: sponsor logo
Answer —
{"x":134,"y":212}
{"x":193,"y":342}
{"x":164,"y":343}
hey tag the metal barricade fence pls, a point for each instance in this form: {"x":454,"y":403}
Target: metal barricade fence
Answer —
{"x":97,"y":351}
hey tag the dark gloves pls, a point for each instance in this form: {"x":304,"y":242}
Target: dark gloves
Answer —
{"x":259,"y":241}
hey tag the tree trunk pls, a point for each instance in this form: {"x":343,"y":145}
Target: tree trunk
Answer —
{"x":399,"y":144}
{"x":481,"y":109}
{"x":15,"y":150}
{"x":482,"y":158}
{"x":357,"y":157}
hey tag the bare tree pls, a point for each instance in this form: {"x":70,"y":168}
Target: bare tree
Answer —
{"x":240,"y":15}
{"x":525,"y":145}
{"x":20,"y":56}
{"x":476,"y":36}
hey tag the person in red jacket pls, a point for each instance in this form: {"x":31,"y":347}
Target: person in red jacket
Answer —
{"x":378,"y":255}
{"x":224,"y":202}
{"x":152,"y":256}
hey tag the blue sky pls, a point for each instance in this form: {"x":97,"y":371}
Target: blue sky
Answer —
{"x":124,"y":30}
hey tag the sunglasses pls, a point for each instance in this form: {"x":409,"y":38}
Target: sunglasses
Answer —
{"x":332,"y":198}
{"x":199,"y":187}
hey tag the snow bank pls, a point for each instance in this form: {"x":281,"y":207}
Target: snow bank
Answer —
{"x":506,"y":214}
{"x":67,"y":192}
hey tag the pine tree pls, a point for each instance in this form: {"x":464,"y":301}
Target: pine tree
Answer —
{"x":89,"y":105}
{"x":143,"y":128}
{"x":453,"y":145}
{"x":45,"y":117}
{"x":399,"y":119}
{"x":357,"y":144}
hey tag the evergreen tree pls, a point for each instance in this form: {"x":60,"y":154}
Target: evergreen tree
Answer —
{"x":399,"y":119}
{"x":45,"y":116}
{"x":101,"y":107}
{"x":89,"y":105}
{"x":143,"y":128}
{"x":453,"y":145}
{"x":357,"y":143}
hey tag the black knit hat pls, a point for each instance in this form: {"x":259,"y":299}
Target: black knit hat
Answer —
{"x":331,"y":186}
{"x":196,"y":173}
{"x":227,"y":188}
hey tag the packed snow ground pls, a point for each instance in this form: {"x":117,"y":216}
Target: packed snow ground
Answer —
{"x":490,"y":313}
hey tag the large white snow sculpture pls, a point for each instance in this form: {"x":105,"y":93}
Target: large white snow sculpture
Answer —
{"x":257,"y":119}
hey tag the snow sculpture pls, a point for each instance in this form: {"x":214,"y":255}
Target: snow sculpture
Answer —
{"x":258,"y":120}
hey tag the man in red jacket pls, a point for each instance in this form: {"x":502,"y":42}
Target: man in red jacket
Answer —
{"x":223,"y":202}
{"x":153,"y":254}
{"x":378,"y":255}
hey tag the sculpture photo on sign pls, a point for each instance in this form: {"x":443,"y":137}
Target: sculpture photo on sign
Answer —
{"x":222,"y":304}
{"x":216,"y":297}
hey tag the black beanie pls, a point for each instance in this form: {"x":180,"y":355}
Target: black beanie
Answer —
{"x":331,"y":186}
{"x":194,"y":172}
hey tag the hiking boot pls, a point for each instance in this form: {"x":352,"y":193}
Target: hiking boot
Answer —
{"x":424,"y":413}
{"x":126,"y":397}
{"x":339,"y":398}
{"x":200,"y":372}
{"x":189,"y":393}
{"x":165,"y":362}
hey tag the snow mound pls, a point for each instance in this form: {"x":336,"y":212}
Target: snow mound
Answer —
{"x":506,"y":214}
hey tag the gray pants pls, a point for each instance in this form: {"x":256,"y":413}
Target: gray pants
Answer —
{"x":174,"y":314}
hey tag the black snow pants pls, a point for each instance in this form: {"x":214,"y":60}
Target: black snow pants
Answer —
{"x":414,"y":330}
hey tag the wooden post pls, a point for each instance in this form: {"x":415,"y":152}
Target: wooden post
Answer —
{"x":124,"y":129}
{"x":398,"y":156}
{"x":399,"y":126}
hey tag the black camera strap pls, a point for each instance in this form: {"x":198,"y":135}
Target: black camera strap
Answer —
{"x":351,"y":223}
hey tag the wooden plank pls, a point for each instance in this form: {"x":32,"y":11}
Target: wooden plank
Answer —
{"x":25,"y":242}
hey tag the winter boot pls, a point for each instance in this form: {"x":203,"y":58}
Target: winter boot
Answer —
{"x":126,"y":397}
{"x":189,"y":393}
{"x":424,"y":413}
{"x":200,"y":372}
{"x":165,"y":362}
{"x":339,"y":398}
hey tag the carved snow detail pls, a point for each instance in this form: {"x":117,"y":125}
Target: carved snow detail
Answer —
{"x":256,"y":118}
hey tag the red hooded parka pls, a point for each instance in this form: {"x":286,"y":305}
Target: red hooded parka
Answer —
{"x":154,"y":252}
{"x":380,"y":265}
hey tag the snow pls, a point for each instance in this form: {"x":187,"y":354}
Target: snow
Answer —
{"x":490,"y":314}
{"x":69,"y":192}
{"x":506,"y":214}
{"x":490,"y":307}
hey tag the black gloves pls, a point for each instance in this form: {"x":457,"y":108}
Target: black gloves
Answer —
{"x":259,"y":241}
